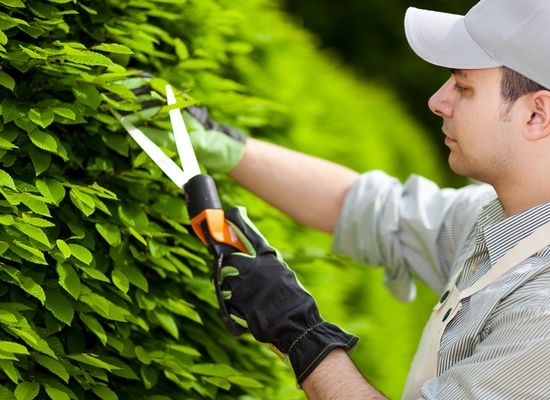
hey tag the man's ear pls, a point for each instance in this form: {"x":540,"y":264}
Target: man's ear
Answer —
{"x":538,"y":125}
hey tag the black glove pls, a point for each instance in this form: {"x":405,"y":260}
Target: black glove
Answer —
{"x":263,"y":294}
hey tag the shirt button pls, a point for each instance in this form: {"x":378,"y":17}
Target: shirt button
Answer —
{"x":444,"y":296}
{"x":447,"y":314}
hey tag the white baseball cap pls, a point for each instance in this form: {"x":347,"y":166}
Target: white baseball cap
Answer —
{"x":494,"y":33}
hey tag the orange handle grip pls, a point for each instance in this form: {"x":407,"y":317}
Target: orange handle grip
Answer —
{"x":218,"y":228}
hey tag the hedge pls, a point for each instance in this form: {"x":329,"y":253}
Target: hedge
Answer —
{"x":104,"y":292}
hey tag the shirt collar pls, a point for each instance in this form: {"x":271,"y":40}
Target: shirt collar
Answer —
{"x":501,"y":234}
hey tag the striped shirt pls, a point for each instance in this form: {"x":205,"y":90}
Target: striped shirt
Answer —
{"x":498,"y":344}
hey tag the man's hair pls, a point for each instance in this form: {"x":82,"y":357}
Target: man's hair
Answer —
{"x":515,"y":85}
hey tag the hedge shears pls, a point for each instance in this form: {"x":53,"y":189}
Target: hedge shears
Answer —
{"x":201,"y":196}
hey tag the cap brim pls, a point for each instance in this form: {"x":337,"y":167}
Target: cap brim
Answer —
{"x":442,"y":39}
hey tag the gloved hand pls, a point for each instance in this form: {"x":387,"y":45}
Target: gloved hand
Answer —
{"x":218,"y":147}
{"x":263,"y":294}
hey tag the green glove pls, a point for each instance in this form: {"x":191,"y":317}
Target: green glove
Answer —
{"x":218,"y":147}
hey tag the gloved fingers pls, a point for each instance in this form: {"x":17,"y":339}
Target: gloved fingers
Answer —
{"x":201,"y":115}
{"x":248,"y":232}
{"x":225,"y":272}
{"x":239,"y":321}
{"x":233,"y":274}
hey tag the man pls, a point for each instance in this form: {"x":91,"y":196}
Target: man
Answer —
{"x":484,"y":248}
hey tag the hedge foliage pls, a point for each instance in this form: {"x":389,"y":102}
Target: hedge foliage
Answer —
{"x":104,"y":292}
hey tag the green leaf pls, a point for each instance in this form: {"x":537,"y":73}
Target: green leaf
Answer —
{"x":120,"y":280}
{"x":94,"y":326}
{"x":95,"y":274}
{"x":143,"y":356}
{"x":43,"y":140}
{"x":181,"y":307}
{"x":104,"y":307}
{"x":29,"y":253}
{"x":6,"y":180}
{"x":168,"y":323}
{"x":51,"y":189}
{"x":13,"y":347}
{"x":82,"y":201}
{"x":135,"y":276}
{"x":33,"y":339}
{"x":87,"y":94}
{"x":27,"y":390}
{"x":4,"y":355}
{"x":64,"y":112}
{"x":104,"y":393}
{"x":33,"y":232}
{"x":7,"y":317}
{"x":181,"y":49}
{"x":33,"y":288}
{"x":109,"y":232}
{"x":56,"y":393}
{"x":87,"y":58}
{"x":68,"y":279}
{"x":81,"y":253}
{"x":184,"y":350}
{"x":25,"y":282}
{"x":149,"y":376}
{"x":60,"y":307}
{"x":39,"y":222}
{"x":133,"y":215}
{"x":219,"y":382}
{"x":43,"y":118}
{"x":35,"y":203}
{"x":93,"y":360}
{"x":11,"y":372}
{"x":137,"y":235}
{"x":6,"y":394}
{"x":219,"y":370}
{"x":6,"y":80}
{"x":63,"y":248}
{"x":6,"y":144}
{"x":3,"y":247}
{"x":113,"y":48}
{"x":6,"y":219}
{"x":40,"y":160}
{"x":117,"y":143}
{"x":53,"y":365}
{"x":13,"y":3}
{"x":244,"y":381}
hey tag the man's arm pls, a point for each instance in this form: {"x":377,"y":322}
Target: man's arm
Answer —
{"x":308,"y":189}
{"x":336,"y":377}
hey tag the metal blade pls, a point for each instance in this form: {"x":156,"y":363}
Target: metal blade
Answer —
{"x":181,"y":136}
{"x":164,"y":162}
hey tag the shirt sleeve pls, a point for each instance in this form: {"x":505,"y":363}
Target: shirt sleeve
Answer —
{"x":510,"y":362}
{"x":412,"y":229}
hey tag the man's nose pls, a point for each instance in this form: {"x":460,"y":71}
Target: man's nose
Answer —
{"x":441,"y":103}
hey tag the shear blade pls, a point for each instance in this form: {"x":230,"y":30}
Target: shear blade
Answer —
{"x":181,"y":137}
{"x":165,"y":163}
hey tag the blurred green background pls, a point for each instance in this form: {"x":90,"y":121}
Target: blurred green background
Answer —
{"x":369,"y":37}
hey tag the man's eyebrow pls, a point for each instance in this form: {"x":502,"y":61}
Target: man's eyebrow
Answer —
{"x":459,"y":72}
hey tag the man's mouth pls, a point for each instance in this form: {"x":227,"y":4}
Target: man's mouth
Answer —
{"x":449,"y":141}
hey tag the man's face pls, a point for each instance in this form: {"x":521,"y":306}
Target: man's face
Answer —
{"x":477,"y":124}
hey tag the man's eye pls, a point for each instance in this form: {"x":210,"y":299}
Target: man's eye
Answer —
{"x":460,"y":89}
